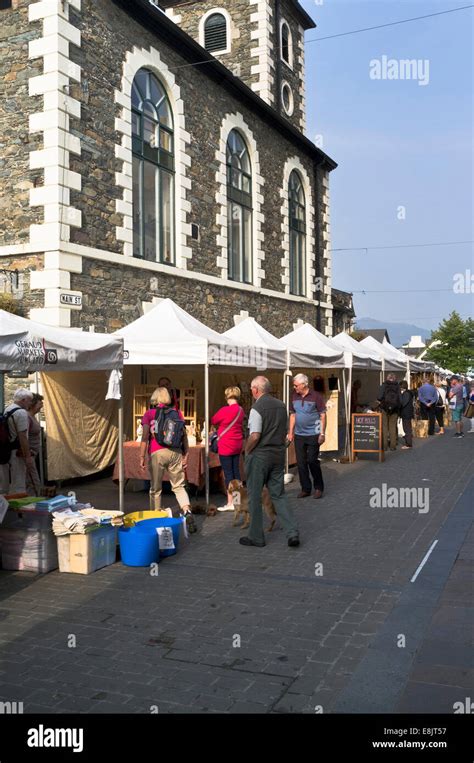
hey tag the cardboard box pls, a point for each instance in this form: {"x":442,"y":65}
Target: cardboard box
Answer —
{"x":85,"y":553}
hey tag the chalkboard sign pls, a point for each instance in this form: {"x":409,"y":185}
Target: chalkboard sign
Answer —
{"x":367,"y":434}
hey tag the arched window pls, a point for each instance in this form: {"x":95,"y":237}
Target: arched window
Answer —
{"x":286,"y":43}
{"x":297,"y":216}
{"x":215,"y":33}
{"x":153,"y":170}
{"x":239,"y":208}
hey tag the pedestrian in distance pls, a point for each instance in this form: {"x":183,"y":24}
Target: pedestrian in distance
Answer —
{"x":428,"y":398}
{"x":265,"y":463}
{"x":307,"y":429}
{"x":389,"y":399}
{"x":406,"y":413}
{"x":17,"y":461}
{"x":456,"y":403}
{"x":440,"y":408}
{"x":470,"y":408}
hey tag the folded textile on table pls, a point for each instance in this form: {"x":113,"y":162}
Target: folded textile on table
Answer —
{"x":52,"y":504}
{"x":69,"y":521}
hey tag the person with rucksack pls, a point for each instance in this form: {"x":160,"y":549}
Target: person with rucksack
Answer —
{"x":428,"y":398}
{"x":15,"y":454}
{"x":164,"y":438}
{"x":389,"y":399}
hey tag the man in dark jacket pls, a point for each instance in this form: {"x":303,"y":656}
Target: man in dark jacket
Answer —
{"x":389,"y":398}
{"x":265,"y":463}
{"x":406,"y":413}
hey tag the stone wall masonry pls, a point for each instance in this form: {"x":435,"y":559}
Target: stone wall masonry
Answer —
{"x":107,"y":35}
{"x":113,"y":296}
{"x":96,"y":131}
{"x":238,"y":60}
{"x":16,"y":178}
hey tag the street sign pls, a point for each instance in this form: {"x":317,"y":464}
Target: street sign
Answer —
{"x":71,"y":299}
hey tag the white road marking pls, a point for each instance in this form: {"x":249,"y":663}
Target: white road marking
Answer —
{"x":423,"y":562}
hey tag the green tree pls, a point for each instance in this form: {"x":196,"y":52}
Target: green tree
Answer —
{"x":456,"y":351}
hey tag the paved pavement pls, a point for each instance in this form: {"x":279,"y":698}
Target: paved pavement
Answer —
{"x":335,"y":625}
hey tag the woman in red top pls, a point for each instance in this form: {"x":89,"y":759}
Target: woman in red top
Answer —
{"x":229,"y":445}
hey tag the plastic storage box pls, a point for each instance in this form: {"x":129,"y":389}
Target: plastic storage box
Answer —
{"x":31,"y":550}
{"x":85,"y":553}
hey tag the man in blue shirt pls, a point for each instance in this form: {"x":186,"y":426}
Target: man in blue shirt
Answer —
{"x":307,"y":429}
{"x":428,"y":397}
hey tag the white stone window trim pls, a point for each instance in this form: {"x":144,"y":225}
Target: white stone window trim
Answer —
{"x":295,"y":163}
{"x":290,"y":110}
{"x":290,"y":62}
{"x":135,"y":59}
{"x":231,"y":122}
{"x":228,"y":34}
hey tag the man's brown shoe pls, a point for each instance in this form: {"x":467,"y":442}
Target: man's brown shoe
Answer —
{"x":303,"y":494}
{"x":318,"y":494}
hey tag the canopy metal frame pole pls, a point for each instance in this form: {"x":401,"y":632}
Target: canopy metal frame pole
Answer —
{"x":120,"y":451}
{"x":286,"y":399}
{"x":41,"y":464}
{"x":206,"y":422}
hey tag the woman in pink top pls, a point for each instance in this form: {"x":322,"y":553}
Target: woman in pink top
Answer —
{"x":229,"y":422}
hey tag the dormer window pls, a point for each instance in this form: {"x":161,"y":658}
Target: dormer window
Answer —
{"x":286,"y":44}
{"x":215,"y":33}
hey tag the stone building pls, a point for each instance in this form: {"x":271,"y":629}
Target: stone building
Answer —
{"x":343,"y":311}
{"x":158,"y":150}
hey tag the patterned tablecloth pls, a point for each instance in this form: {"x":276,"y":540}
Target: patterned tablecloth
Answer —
{"x":194,"y":469}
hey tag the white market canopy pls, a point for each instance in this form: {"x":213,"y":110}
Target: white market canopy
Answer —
{"x":360,"y":358}
{"x":391,"y":362}
{"x":29,"y":346}
{"x":273,"y":352}
{"x":307,"y":345}
{"x":168,"y":336}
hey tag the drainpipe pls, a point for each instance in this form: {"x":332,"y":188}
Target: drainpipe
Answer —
{"x":317,"y":232}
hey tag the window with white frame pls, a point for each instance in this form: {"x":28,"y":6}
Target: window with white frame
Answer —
{"x":297,"y":222}
{"x":286,"y":44}
{"x":215,"y":33}
{"x":239,"y":208}
{"x":153,"y":170}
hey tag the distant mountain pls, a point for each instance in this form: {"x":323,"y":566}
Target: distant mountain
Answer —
{"x":399,"y":333}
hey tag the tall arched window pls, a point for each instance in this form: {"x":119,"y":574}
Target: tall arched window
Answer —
{"x":215,"y":33}
{"x":239,"y":208}
{"x":286,"y":43}
{"x":153,"y":170}
{"x":297,"y":217}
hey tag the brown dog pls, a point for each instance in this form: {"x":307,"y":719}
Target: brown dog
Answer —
{"x":241,"y":505}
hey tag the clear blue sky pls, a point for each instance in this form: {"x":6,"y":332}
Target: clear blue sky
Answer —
{"x":396,"y":143}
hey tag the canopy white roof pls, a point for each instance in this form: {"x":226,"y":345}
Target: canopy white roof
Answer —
{"x":391,"y":362}
{"x":360,"y":358}
{"x":307,"y":345}
{"x":168,"y":335}
{"x":272,"y":350}
{"x":415,"y":365}
{"x":29,"y":346}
